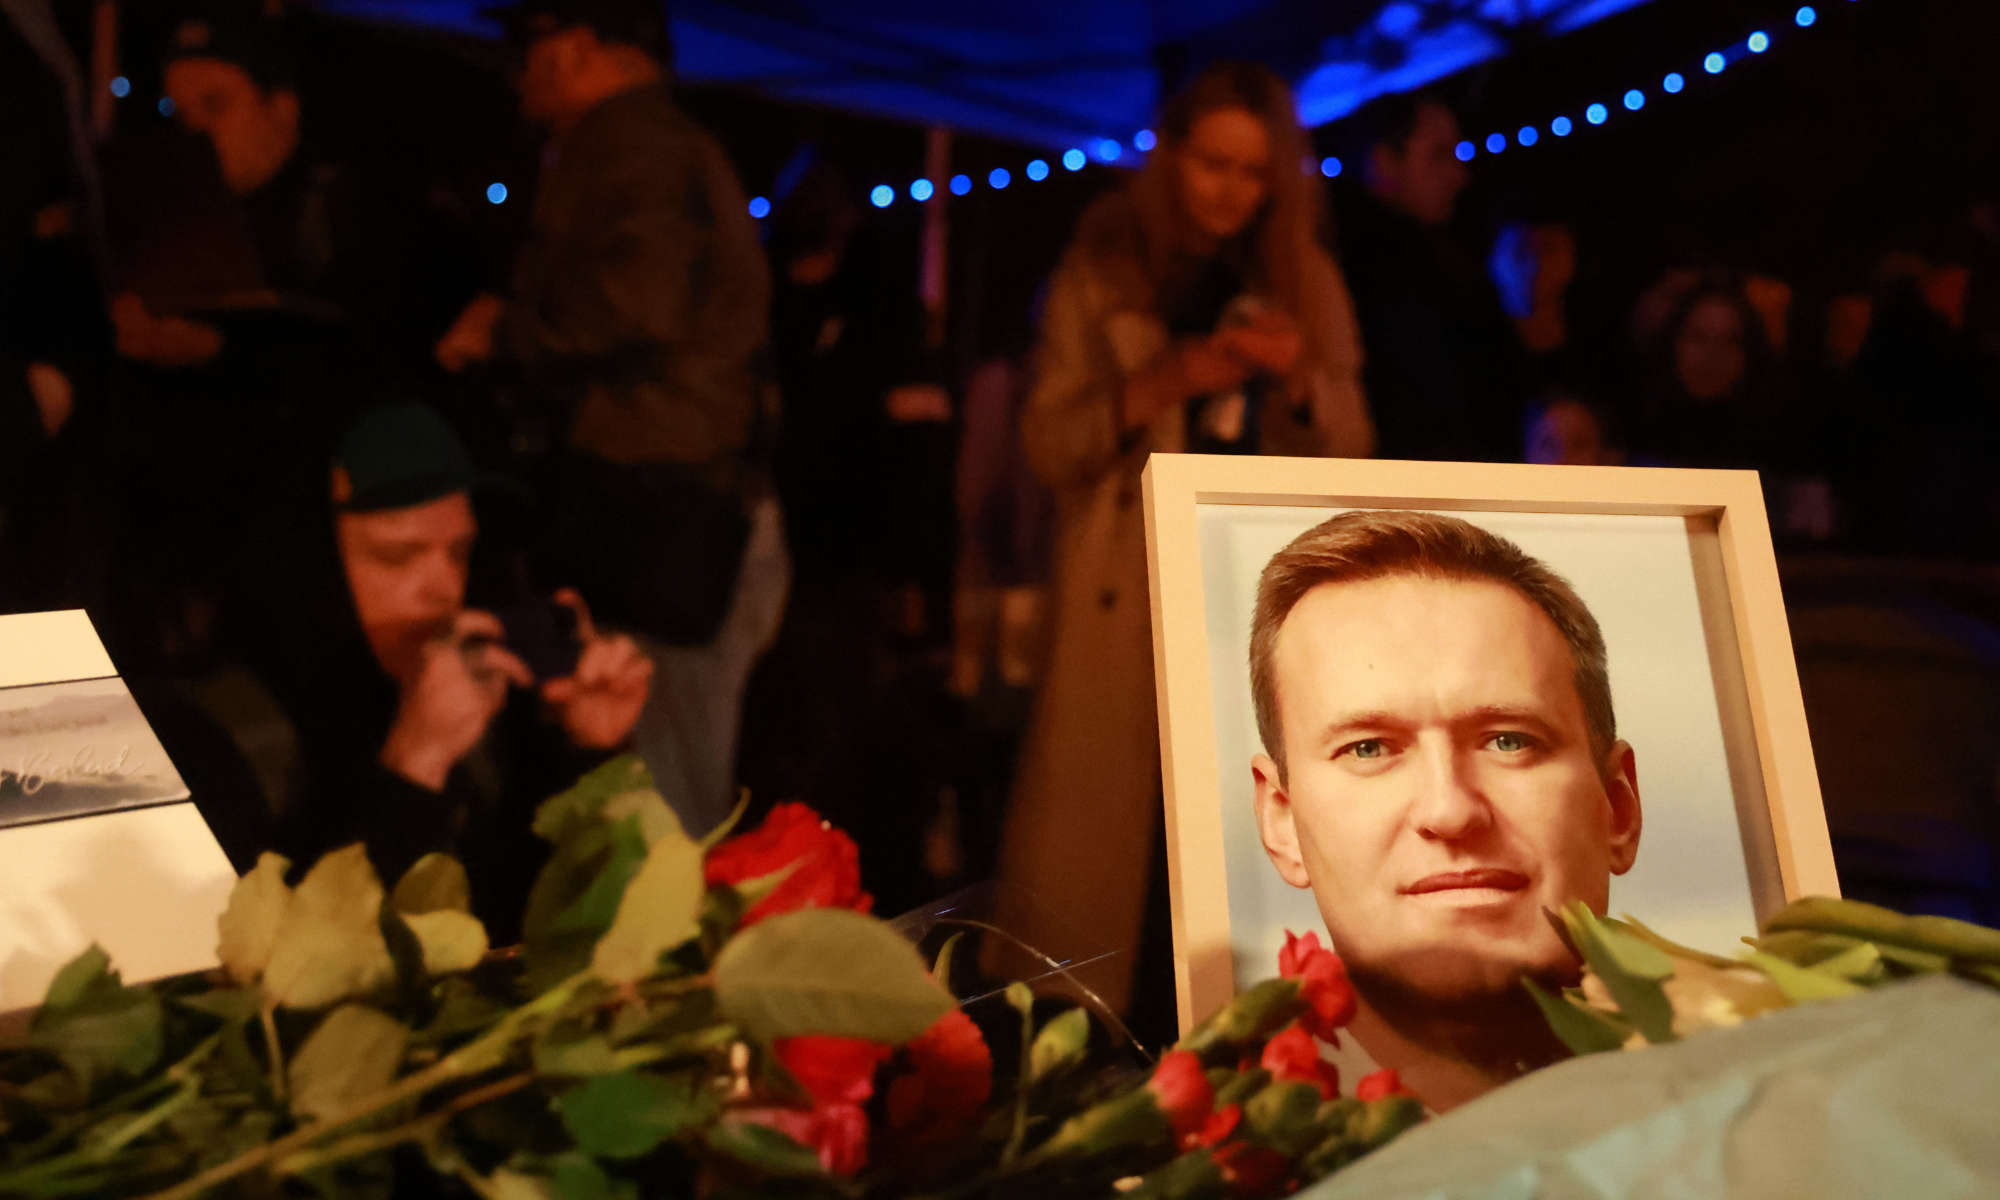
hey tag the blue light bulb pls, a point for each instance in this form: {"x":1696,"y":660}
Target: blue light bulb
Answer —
{"x":759,"y":207}
{"x":1673,"y":83}
{"x":1805,"y":16}
{"x":921,"y":190}
{"x":961,"y":184}
{"x":1560,"y":126}
{"x":1037,"y":171}
{"x":1596,"y":114}
{"x":998,"y":178}
{"x":1714,"y":63}
{"x":1108,"y":150}
{"x":1528,"y":135}
{"x":1330,"y":167}
{"x":1495,"y":143}
{"x":166,"y":106}
{"x":1144,"y":141}
{"x":1465,"y":151}
{"x":496,"y":193}
{"x":1759,"y":42}
{"x":882,"y":196}
{"x":121,"y":87}
{"x":1073,"y":159}
{"x":1635,"y":100}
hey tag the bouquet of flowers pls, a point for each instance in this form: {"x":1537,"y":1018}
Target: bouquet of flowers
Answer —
{"x":718,"y":1017}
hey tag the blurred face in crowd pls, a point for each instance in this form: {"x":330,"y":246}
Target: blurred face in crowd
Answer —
{"x":548,"y":75}
{"x":1423,"y":176}
{"x":1709,"y":352}
{"x":1567,"y":432}
{"x":1440,"y":787}
{"x":255,"y":131}
{"x":406,"y":568}
{"x":1224,"y":170}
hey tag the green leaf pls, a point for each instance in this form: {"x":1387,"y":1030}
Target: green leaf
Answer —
{"x":1802,"y":985}
{"x":1631,"y":970}
{"x":1585,"y":1030}
{"x":656,"y":820}
{"x":248,"y":928}
{"x":627,"y":1114}
{"x":433,"y":883}
{"x":95,"y":1024}
{"x":660,"y":909}
{"x":353,"y":1053}
{"x":578,"y":1177}
{"x":593,"y":910}
{"x":762,"y":1147}
{"x":452,"y":941}
{"x":1059,"y":1046}
{"x":462,"y":1008}
{"x":229,"y":1005}
{"x":568,"y":813}
{"x":827,"y":971}
{"x":330,"y":946}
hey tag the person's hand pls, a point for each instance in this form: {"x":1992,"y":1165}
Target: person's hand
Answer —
{"x":161,"y":341}
{"x":600,"y":702}
{"x":1197,"y":367}
{"x":470,"y":338}
{"x":1271,"y":342}
{"x":446,"y":706}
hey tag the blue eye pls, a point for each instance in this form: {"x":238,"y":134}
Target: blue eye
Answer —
{"x":1510,"y":743}
{"x":1368,"y":749}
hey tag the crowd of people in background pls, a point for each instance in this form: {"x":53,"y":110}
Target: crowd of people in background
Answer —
{"x":669,"y":482}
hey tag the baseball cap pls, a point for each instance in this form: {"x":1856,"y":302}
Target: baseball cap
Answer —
{"x":640,"y":23}
{"x":397,"y":456}
{"x":253,"y":43}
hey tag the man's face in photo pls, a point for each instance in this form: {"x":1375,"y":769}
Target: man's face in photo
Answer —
{"x":1440,"y":786}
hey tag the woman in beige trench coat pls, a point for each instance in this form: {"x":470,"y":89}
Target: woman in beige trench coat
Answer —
{"x":1118,"y":376}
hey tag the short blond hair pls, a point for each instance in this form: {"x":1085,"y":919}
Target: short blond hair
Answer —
{"x":1358,"y":546}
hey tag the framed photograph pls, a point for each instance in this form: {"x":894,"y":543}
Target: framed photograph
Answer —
{"x":1393,"y":708}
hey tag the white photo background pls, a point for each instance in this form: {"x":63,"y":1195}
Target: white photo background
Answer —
{"x":1637,"y":575}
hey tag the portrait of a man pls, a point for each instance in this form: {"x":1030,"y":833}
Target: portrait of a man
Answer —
{"x":1441,"y":767}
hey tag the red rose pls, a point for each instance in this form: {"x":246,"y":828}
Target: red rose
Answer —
{"x":838,"y":1132}
{"x":1181,"y":1090}
{"x":1251,"y":1171}
{"x":826,"y":866}
{"x":950,"y":1078}
{"x":1293,"y":1057}
{"x":1220,"y":1124}
{"x":1323,"y":983}
{"x":1380,"y":1085}
{"x":832,"y":1070}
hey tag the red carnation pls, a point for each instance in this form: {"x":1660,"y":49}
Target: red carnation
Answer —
{"x":1181,"y":1090}
{"x":1217,"y":1128}
{"x":832,"y":1070}
{"x":1293,"y":1057}
{"x":951,"y":1075}
{"x":826,"y":866}
{"x":1380,"y":1086}
{"x":1251,"y":1171}
{"x":1323,"y":983}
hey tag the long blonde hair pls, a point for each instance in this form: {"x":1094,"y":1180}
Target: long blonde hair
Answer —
{"x":1144,"y":240}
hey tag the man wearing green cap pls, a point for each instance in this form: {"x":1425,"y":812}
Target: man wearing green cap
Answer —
{"x":418,"y":727}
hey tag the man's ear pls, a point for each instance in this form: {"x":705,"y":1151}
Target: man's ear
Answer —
{"x":1621,"y":789}
{"x":1275,"y":823}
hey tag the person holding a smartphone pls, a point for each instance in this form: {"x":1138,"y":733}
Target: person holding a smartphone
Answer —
{"x":421,"y":723}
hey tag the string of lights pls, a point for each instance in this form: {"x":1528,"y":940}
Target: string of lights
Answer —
{"x":1110,"y":150}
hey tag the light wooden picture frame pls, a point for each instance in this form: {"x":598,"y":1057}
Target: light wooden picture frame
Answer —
{"x":1677,"y":565}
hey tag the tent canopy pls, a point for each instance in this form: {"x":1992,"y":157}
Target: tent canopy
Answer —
{"x":1057,"y":73}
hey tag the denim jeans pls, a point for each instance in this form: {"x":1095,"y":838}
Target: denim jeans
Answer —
{"x":688,"y":731}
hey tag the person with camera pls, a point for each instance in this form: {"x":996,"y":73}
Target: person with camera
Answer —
{"x":421,"y":724}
